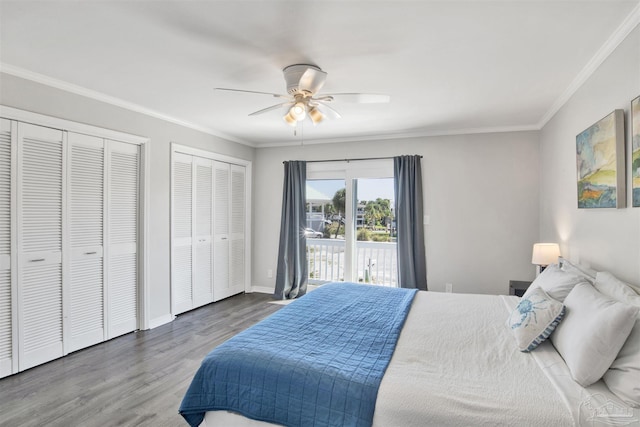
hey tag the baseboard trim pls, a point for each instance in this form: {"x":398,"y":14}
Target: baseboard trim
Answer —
{"x":261,"y":289}
{"x":162,"y":320}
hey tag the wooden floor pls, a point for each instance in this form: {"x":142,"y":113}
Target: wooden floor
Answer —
{"x":136,"y":380}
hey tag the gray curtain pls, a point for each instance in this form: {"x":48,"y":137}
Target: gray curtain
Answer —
{"x":412,"y":265}
{"x":291,"y":276}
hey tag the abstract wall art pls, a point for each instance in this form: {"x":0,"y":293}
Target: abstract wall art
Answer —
{"x":601,"y":168}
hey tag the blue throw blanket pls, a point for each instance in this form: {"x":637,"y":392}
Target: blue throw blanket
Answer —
{"x":316,"y":362}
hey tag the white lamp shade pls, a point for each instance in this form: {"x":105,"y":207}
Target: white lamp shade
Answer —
{"x":545,"y":253}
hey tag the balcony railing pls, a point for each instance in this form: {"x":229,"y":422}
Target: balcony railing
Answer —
{"x":376,"y":262}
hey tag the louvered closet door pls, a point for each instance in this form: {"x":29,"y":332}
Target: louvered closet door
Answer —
{"x":122,"y":237}
{"x":84,"y":291}
{"x":40,"y":192}
{"x":202,"y":235}
{"x":182,"y":257}
{"x":221,"y":195}
{"x":8,"y":360}
{"x":238,"y":209}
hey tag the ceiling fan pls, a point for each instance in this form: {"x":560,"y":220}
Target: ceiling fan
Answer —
{"x":304,"y":81}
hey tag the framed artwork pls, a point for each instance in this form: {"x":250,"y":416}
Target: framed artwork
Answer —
{"x":601,"y":168}
{"x":635,"y":151}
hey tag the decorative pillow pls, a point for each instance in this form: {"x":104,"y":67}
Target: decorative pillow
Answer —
{"x":578,"y":270}
{"x":533,"y":320}
{"x":592,"y":333}
{"x":623,"y":377}
{"x":555,"y":282}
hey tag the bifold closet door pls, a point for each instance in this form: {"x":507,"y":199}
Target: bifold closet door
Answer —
{"x":40,"y":230}
{"x":191,"y":283}
{"x":229,"y":224}
{"x":122,"y":237}
{"x":84,"y":289}
{"x":202,"y":232}
{"x":8,"y":356}
{"x":208,"y":231}
{"x":237,"y":226}
{"x":182,"y":223}
{"x":221,"y":190}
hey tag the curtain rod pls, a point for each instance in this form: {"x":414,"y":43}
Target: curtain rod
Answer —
{"x":347,"y":160}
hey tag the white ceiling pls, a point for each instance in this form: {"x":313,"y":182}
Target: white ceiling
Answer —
{"x":449,"y":66}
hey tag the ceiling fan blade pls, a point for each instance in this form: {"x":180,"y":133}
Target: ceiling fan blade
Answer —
{"x":312,"y":80}
{"x":273,"y":107}
{"x":276,"y":95}
{"x":327,"y":111}
{"x":360,"y":98}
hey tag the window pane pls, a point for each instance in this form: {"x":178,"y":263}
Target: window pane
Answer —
{"x":376,"y":259}
{"x":325,"y":230}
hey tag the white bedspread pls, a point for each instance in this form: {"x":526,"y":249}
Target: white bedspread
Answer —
{"x":456,"y":364}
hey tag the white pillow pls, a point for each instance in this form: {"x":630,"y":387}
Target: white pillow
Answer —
{"x":579,"y":270}
{"x":555,"y":282}
{"x":592,"y":332}
{"x":533,"y":320}
{"x":623,"y":377}
{"x":613,"y":287}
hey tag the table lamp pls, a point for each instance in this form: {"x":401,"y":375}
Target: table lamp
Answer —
{"x":544,"y":254}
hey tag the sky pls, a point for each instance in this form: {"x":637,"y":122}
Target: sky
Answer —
{"x":368,"y":189}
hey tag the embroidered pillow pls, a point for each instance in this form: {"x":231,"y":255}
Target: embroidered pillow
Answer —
{"x":535,"y":317}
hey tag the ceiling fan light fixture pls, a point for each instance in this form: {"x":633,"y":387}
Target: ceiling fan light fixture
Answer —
{"x":304,"y":81}
{"x":289,"y":119}
{"x":315,"y":115}
{"x":298,"y":111}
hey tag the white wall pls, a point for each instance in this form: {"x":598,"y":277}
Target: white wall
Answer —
{"x":481,"y":192}
{"x":30,"y":96}
{"x":607,"y":239}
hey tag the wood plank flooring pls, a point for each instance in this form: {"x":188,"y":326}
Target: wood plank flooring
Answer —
{"x":138,"y":379}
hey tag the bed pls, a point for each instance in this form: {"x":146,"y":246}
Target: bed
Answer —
{"x":455,"y":362}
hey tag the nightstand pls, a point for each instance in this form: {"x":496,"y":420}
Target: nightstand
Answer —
{"x":518,"y":287}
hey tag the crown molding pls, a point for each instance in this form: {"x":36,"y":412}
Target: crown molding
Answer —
{"x":619,"y":35}
{"x":99,"y":96}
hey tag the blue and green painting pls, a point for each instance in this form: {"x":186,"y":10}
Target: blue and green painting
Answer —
{"x":635,"y":137}
{"x":596,"y":155}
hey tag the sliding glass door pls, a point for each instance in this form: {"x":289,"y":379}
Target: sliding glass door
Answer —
{"x":350,"y":222}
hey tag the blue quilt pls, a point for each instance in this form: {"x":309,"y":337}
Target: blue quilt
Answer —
{"x":316,"y":362}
